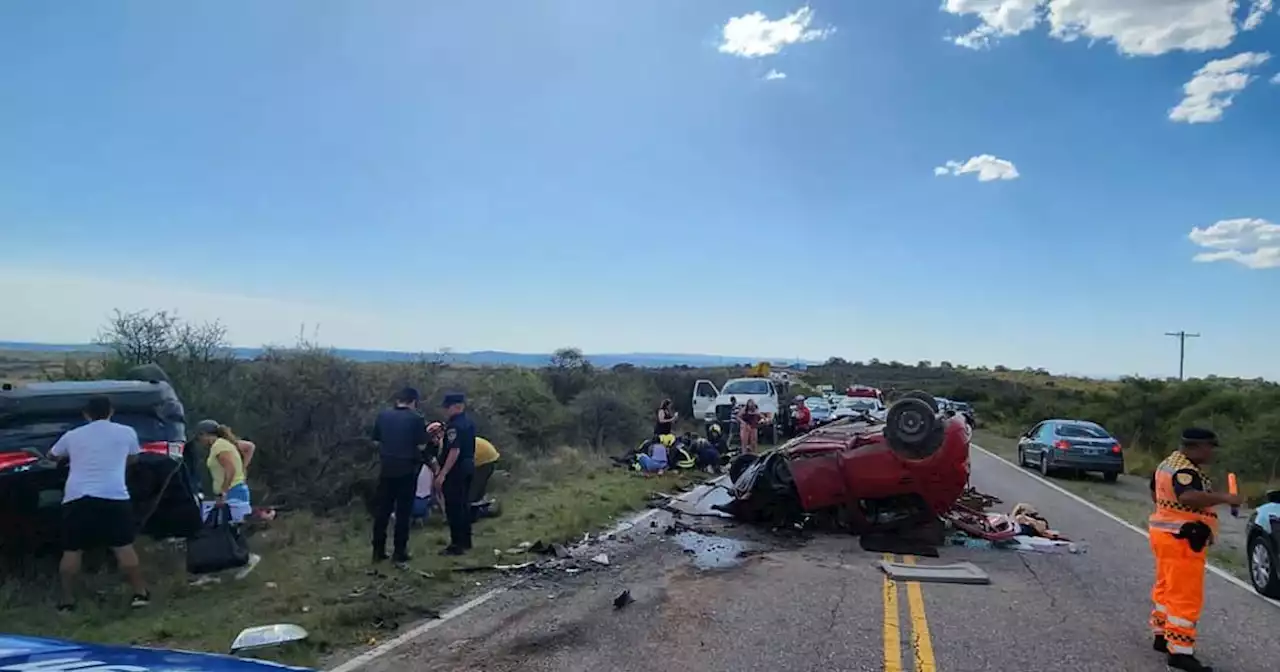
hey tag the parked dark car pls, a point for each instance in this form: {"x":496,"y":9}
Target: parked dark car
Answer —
{"x":32,"y":417}
{"x":1075,"y":445}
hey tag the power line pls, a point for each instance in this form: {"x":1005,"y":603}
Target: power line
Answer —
{"x":1182,"y":337}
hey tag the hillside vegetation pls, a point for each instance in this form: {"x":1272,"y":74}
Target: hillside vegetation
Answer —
{"x":308,"y":407}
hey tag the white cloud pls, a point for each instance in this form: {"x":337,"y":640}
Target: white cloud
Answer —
{"x":1135,"y":27}
{"x":1276,"y":78}
{"x":1213,"y":88}
{"x":1257,"y":12}
{"x":987,"y":167}
{"x":998,"y":18}
{"x":774,"y":74}
{"x":754,"y":35}
{"x":1254,"y":243}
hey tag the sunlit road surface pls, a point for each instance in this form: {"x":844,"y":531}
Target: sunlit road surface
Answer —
{"x":821,"y":604}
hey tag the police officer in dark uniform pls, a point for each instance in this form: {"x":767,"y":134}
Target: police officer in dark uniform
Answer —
{"x":456,"y":472}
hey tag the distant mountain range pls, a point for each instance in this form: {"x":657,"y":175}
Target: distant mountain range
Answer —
{"x":478,"y":358}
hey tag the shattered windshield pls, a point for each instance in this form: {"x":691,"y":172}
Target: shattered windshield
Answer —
{"x":746,"y":387}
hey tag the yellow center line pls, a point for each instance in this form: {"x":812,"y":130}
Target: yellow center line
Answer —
{"x":892,"y":631}
{"x":921,"y":643}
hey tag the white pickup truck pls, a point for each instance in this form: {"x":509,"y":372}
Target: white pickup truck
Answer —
{"x":711,"y":403}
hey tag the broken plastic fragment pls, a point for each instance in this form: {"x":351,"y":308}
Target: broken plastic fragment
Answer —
{"x":601,"y":559}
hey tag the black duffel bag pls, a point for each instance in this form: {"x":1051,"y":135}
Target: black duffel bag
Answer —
{"x":218,"y":546}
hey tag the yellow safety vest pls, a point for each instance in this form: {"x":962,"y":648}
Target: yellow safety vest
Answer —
{"x":1169,"y":515}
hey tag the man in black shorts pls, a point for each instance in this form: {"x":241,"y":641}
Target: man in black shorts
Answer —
{"x":96,"y":510}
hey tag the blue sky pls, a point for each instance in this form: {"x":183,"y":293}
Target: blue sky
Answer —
{"x":624,"y":176}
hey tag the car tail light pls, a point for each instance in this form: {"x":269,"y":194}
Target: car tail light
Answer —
{"x":170,"y":448}
{"x":1062,"y":445}
{"x":8,"y":460}
{"x":1116,"y":449}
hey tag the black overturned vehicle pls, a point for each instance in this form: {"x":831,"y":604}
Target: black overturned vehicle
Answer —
{"x":163,"y":485}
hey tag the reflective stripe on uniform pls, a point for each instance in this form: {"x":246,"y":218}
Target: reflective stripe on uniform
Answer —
{"x":1180,"y":622}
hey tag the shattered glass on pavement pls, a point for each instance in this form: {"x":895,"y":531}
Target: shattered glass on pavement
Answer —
{"x":711,"y":552}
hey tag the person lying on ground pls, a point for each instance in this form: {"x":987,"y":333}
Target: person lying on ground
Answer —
{"x":486,"y":461}
{"x":96,"y":507}
{"x":656,"y":460}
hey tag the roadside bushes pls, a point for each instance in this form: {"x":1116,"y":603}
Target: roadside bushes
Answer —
{"x":1147,"y":415}
{"x":310,"y":411}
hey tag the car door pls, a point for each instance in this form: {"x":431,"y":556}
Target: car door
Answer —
{"x":1043,"y":441}
{"x":1028,"y":442}
{"x":704,"y":398}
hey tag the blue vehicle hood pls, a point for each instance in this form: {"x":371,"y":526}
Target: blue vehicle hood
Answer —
{"x":36,"y":654}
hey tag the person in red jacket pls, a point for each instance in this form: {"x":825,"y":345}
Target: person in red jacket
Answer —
{"x":803,"y":418}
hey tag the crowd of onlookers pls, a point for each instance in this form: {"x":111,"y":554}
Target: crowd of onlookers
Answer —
{"x":422,"y":466}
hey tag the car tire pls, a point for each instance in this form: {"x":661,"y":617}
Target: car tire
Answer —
{"x":1111,"y":476}
{"x":1045,"y":469}
{"x":1022,"y":458}
{"x":1263,"y":573}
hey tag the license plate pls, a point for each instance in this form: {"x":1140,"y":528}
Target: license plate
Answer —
{"x":1093,"y":451}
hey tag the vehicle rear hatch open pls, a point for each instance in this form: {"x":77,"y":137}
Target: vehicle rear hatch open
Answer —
{"x":162,"y":486}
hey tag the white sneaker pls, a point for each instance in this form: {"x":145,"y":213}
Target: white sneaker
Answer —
{"x":254,"y":559}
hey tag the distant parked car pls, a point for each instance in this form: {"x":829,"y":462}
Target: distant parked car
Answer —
{"x":1264,"y":547}
{"x":1076,"y":445}
{"x":819,"y":409}
{"x":850,"y":406}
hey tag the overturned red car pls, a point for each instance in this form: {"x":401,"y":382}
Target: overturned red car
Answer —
{"x":858,"y":473}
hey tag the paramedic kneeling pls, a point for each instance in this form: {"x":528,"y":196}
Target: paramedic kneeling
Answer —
{"x":1181,"y":529}
{"x":96,"y":508}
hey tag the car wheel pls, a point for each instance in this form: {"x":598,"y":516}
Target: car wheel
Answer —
{"x":1022,"y":457}
{"x":1045,"y":470}
{"x":1111,"y":476}
{"x":1262,"y":566}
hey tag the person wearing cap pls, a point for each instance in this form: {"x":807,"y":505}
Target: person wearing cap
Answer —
{"x":1181,"y":529}
{"x":226,"y":462}
{"x":456,"y":473}
{"x":401,"y":435}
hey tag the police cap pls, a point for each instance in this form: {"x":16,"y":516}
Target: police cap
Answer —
{"x":454,"y":398}
{"x":1199,"y":435}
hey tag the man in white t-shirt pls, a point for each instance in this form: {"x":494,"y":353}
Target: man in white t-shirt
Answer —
{"x":96,"y":509}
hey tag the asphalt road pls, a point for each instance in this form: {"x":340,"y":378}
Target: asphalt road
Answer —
{"x":821,"y":604}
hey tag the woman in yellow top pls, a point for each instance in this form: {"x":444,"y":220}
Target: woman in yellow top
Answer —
{"x":486,"y":460}
{"x":226,"y":462}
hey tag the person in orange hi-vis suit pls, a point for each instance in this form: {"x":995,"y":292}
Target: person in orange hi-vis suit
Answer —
{"x":1181,"y":530}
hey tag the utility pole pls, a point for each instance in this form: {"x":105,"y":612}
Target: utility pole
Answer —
{"x":1182,"y":337}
